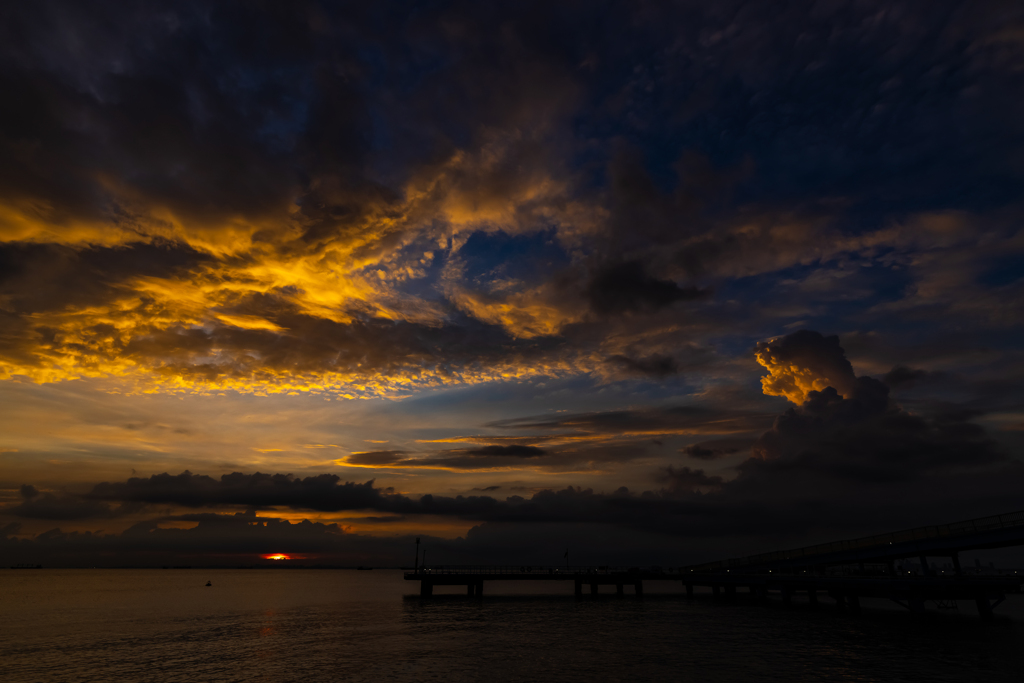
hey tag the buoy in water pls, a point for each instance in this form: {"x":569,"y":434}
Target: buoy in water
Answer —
{"x":209,"y":583}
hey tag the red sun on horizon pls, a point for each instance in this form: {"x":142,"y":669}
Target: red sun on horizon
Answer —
{"x":277,"y":556}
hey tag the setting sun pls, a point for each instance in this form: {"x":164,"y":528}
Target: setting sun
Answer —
{"x":277,"y":556}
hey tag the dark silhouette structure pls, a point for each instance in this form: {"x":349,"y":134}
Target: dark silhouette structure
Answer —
{"x":846,"y":570}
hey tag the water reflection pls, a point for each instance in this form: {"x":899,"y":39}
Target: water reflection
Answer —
{"x":328,"y":626}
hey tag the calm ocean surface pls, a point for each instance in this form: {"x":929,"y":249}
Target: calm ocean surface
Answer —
{"x":338,"y":625}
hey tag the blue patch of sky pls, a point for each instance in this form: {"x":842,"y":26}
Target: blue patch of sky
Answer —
{"x":1003,"y":271}
{"x":491,"y":256}
{"x":488,"y":258}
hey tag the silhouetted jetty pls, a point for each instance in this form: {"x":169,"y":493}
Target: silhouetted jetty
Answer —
{"x":846,"y":571}
{"x":473,"y":577}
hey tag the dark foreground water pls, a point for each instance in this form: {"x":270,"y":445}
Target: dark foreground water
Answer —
{"x":335,"y":625}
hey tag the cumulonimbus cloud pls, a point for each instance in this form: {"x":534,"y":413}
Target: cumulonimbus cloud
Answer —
{"x":802,"y":362}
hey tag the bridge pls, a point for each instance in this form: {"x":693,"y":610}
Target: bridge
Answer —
{"x":846,"y":571}
{"x":944,"y":540}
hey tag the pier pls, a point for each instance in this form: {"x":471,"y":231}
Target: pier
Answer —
{"x":845,"y":571}
{"x":473,"y":577}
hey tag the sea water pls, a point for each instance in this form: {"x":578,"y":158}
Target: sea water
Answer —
{"x":346,"y":625}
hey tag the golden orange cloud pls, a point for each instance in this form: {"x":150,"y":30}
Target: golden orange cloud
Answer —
{"x":790,"y":381}
{"x":804,"y":362}
{"x":250,"y":314}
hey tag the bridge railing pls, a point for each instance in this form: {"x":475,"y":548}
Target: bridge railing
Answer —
{"x":955,"y":529}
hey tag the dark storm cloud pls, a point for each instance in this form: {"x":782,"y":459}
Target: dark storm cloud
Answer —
{"x":901,"y":377}
{"x":513,"y":450}
{"x":63,"y":506}
{"x":860,"y":433}
{"x":700,"y":452}
{"x":141,"y":94}
{"x":376,"y":458}
{"x":862,"y":440}
{"x":655,"y":365}
{"x":765,"y":500}
{"x":685,"y":479}
{"x":573,"y":456}
{"x":628,"y":287}
{"x":38,"y":278}
{"x":619,"y":528}
{"x":327,"y":493}
{"x":679,"y":419}
{"x":322,"y":492}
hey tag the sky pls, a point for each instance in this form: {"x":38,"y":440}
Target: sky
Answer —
{"x":644,"y":282}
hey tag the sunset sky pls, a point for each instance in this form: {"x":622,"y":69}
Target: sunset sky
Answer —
{"x":646,"y":281}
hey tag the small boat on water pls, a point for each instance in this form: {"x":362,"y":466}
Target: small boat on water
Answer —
{"x":209,"y":583}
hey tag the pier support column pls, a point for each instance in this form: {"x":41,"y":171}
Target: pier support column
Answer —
{"x":730,"y":593}
{"x":469,"y":588}
{"x":854,"y":603}
{"x":812,"y":596}
{"x":689,"y":590}
{"x":579,"y":587}
{"x":924,"y":566}
{"x":479,"y":589}
{"x":984,"y":607}
{"x":638,"y":588}
{"x":426,"y":588}
{"x":839,"y":598}
{"x":916,"y":603}
{"x":618,"y":589}
{"x":956,"y":563}
{"x":593,"y":589}
{"x":787,"y":596}
{"x":716,"y":591}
